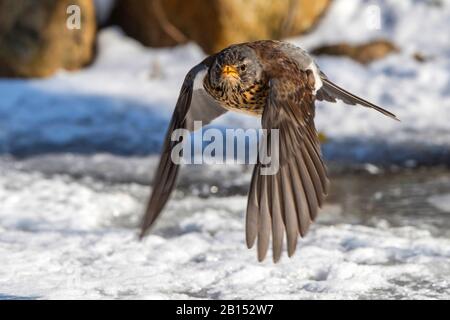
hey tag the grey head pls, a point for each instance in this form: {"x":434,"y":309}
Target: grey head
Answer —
{"x":236,"y":67}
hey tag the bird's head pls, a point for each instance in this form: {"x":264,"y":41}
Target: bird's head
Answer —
{"x":236,"y":67}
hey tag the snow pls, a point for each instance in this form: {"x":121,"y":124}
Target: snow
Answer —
{"x":108,"y":106}
{"x":419,"y":94}
{"x":75,"y":238}
{"x":70,"y":208}
{"x":441,"y":202}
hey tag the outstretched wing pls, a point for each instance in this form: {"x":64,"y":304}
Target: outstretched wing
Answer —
{"x":288,"y":201}
{"x":193,"y":104}
{"x":331,"y":91}
{"x":327,"y":90}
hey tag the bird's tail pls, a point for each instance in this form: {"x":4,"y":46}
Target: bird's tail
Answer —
{"x":331,"y":91}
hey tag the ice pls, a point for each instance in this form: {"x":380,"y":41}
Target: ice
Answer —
{"x":66,"y":237}
{"x":442,"y":202}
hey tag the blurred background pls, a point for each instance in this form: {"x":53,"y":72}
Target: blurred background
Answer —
{"x":87,"y":89}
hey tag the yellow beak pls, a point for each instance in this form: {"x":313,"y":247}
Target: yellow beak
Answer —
{"x":230,"y":71}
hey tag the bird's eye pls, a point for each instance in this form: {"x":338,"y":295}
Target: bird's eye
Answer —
{"x":243,"y":67}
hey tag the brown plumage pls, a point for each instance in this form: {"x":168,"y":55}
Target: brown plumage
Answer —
{"x":279,"y":82}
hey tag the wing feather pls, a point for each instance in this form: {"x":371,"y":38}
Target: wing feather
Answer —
{"x":251,"y":229}
{"x":298,"y":189}
{"x":331,"y":91}
{"x":191,"y":106}
{"x":290,"y":210}
{"x":264,"y":220}
{"x":277,"y":221}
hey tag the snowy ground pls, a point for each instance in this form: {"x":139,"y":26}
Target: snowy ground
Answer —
{"x":65,"y":237}
{"x":88,"y":141}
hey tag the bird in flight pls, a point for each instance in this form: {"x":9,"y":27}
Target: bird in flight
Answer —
{"x":280,"y":83}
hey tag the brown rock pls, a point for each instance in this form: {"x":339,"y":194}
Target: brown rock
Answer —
{"x":420,"y":57}
{"x":215,"y":24}
{"x":35,"y":40}
{"x":364,"y":53}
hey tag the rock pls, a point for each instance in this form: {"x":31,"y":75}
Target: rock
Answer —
{"x":215,"y":24}
{"x":422,"y":58}
{"x":364,"y":53}
{"x":35,"y":40}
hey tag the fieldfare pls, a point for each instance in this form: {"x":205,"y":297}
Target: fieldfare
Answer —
{"x":280,"y":83}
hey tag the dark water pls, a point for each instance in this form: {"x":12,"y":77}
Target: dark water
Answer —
{"x":408,"y":197}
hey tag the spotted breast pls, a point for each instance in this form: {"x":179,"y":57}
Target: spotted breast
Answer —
{"x":249,"y":100}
